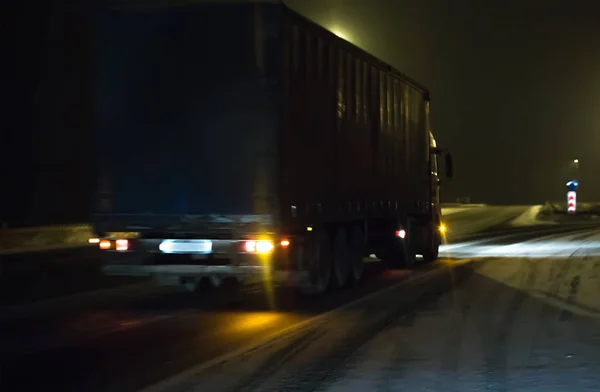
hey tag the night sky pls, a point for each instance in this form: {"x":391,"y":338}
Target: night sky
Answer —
{"x":515,"y":85}
{"x":515,"y":88}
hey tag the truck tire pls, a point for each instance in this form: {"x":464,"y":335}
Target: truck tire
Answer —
{"x":341,"y":258}
{"x":356,"y":247}
{"x":399,"y":254}
{"x":318,"y":258}
{"x":431,"y":255}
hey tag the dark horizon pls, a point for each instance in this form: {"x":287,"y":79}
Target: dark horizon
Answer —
{"x":513,"y":85}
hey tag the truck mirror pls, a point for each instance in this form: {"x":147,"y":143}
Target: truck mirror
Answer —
{"x":449,"y":165}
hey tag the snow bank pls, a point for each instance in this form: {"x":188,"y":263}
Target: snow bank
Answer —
{"x":474,"y":220}
{"x":569,"y":278}
{"x":557,"y":245}
{"x":530,"y":217}
{"x":452,"y":210}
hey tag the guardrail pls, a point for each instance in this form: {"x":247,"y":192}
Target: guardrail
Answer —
{"x":35,"y":239}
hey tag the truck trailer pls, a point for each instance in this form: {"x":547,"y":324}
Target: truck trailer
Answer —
{"x":242,"y":140}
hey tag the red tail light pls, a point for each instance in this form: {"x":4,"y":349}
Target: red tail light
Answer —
{"x":401,"y":233}
{"x":122,"y":245}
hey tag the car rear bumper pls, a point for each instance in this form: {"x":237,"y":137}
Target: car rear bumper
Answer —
{"x":172,"y":275}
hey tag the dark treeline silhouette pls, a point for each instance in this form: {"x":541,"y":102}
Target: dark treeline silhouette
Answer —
{"x":45,"y":149}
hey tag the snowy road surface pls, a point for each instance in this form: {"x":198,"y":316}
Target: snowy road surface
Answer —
{"x":468,"y":220}
{"x":494,"y":311}
{"x":515,"y":322}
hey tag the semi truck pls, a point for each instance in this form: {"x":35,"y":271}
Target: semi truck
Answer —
{"x":242,"y":140}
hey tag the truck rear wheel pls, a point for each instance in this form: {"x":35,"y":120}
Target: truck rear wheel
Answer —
{"x":318,"y":258}
{"x":399,"y":254}
{"x":431,"y":255}
{"x":356,"y":246}
{"x":341,"y":258}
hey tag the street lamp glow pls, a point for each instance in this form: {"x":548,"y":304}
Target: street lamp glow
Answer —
{"x":340,"y":33}
{"x":575,"y":160}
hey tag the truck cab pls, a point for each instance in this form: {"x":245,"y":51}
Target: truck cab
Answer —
{"x":435,"y":177}
{"x":436,"y":181}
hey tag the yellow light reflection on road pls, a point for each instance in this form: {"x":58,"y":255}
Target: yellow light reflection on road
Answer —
{"x":253,"y":321}
{"x":267,"y":279}
{"x":451,"y":262}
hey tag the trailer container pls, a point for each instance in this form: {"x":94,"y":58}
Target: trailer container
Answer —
{"x":243,"y":140}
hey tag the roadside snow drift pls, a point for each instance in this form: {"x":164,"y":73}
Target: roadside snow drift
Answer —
{"x":531,"y":217}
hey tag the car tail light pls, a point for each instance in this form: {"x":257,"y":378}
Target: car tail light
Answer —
{"x":122,"y":245}
{"x":260,"y":246}
{"x":104,"y":244}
